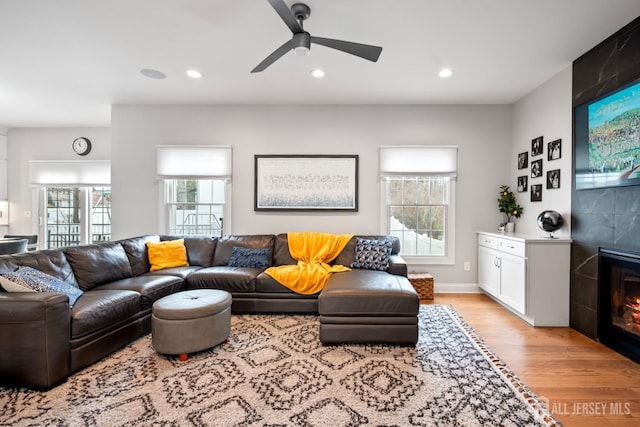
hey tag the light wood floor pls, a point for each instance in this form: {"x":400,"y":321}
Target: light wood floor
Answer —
{"x":584,"y":383}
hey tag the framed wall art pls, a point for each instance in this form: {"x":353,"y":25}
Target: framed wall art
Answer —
{"x":536,"y":146}
{"x":522,"y":184}
{"x":554,"y":149}
{"x":536,"y":193}
{"x":553,"y":179}
{"x":306,"y":183}
{"x":523,"y":160}
{"x":536,"y":168}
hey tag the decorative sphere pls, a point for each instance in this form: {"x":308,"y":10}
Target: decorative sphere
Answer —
{"x":550,"y":221}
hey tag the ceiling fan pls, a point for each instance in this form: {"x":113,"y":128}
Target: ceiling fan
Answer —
{"x":301,"y":40}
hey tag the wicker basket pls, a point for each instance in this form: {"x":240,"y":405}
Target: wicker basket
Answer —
{"x":423,"y":284}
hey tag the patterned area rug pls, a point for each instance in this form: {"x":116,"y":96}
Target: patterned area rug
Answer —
{"x":273,"y":371}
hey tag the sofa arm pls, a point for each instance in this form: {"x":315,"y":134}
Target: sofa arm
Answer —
{"x":34,"y":337}
{"x":397,"y":265}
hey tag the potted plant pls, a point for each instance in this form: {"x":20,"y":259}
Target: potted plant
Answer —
{"x":508,"y":205}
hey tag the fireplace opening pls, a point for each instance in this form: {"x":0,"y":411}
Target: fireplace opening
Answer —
{"x":619,"y":301}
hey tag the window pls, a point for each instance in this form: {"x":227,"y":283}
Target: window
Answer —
{"x":418,"y":193}
{"x":195,"y":206}
{"x":76,"y":215}
{"x":417,"y":213}
{"x":75,"y":201}
{"x":195,"y":188}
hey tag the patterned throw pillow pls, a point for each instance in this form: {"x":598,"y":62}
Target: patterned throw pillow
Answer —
{"x":372,"y":254}
{"x":250,"y":258}
{"x":27,"y":279}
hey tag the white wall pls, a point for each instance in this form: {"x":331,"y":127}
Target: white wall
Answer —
{"x":483,"y":134}
{"x":43,"y":144}
{"x":489,"y":139}
{"x":545,"y":112}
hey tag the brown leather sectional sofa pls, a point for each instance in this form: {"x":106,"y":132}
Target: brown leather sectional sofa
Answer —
{"x":43,"y":340}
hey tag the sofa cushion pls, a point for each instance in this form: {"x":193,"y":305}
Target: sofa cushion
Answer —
{"x":372,"y":254}
{"x":181,"y":272}
{"x":167,"y":254}
{"x":27,"y":279}
{"x":136,"y":249}
{"x":225,"y":245}
{"x":98,"y":309}
{"x":95,"y":265}
{"x":150,"y":287}
{"x":250,"y":258}
{"x":281,"y":254}
{"x":230,"y":279}
{"x":266,"y":284}
{"x":200,"y":248}
{"x":368,"y":293}
{"x":50,"y":261}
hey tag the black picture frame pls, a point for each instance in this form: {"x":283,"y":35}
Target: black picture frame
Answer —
{"x":536,"y":146}
{"x":536,"y":193}
{"x":554,"y":150}
{"x":523,"y":160}
{"x":536,"y":168}
{"x":553,"y":179}
{"x":523,"y":183}
{"x":306,"y":182}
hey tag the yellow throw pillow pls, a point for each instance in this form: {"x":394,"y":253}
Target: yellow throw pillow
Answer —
{"x":167,"y":254}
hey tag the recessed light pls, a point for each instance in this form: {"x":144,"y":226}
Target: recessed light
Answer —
{"x":317,"y":73}
{"x":445,"y":72}
{"x":194,"y":74}
{"x":153,"y":74}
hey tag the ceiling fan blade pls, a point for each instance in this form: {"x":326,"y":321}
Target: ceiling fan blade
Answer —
{"x":286,"y":47}
{"x":287,"y":16}
{"x":372,"y":53}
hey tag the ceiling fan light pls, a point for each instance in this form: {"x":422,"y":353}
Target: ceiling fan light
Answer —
{"x":302,"y":51}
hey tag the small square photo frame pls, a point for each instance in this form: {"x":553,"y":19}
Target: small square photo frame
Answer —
{"x":523,"y":184}
{"x":554,"y":150}
{"x":553,"y":179}
{"x":523,"y":160}
{"x":536,"y":193}
{"x":536,"y":168}
{"x":536,"y":146}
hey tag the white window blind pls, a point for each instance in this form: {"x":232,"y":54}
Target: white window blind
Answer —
{"x":419,"y":160}
{"x":60,"y":173}
{"x":193,"y":161}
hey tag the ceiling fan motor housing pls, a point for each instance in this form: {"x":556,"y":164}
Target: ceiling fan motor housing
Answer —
{"x":302,"y":43}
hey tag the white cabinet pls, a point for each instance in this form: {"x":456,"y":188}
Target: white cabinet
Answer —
{"x":528,"y":275}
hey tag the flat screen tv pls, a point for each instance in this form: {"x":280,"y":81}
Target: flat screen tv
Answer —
{"x":607,"y":139}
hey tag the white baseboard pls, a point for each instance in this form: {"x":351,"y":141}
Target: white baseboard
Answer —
{"x":456,"y":288}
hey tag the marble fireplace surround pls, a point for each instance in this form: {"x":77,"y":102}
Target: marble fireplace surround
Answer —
{"x":606,"y":217}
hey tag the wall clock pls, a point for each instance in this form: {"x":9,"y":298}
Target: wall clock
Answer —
{"x":81,"y":145}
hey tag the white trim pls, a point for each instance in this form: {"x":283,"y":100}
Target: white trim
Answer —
{"x":456,"y":288}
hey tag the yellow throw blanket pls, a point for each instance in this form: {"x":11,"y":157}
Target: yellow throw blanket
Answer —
{"x":313,"y":251}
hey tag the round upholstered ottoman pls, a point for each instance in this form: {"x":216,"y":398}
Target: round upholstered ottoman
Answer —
{"x":190,"y":321}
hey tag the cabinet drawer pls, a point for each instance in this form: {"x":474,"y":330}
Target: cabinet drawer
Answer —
{"x":488,"y":241}
{"x":511,"y":247}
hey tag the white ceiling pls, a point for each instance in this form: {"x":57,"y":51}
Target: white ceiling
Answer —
{"x":64,"y":62}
